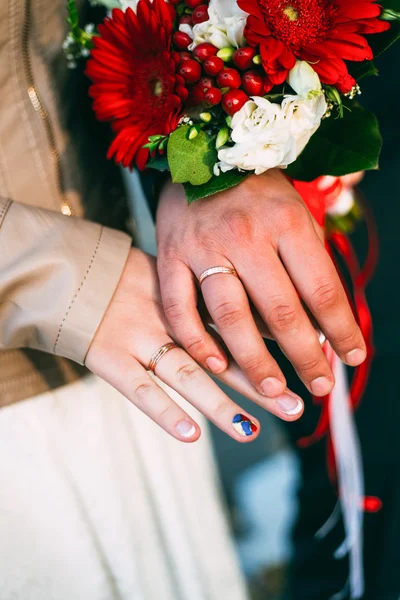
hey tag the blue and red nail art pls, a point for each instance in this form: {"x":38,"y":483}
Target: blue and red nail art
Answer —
{"x":243,"y":425}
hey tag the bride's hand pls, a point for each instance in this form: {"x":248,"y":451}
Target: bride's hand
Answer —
{"x":133,"y":329}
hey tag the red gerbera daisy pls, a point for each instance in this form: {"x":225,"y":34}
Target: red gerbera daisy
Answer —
{"x":322,"y":32}
{"x":136,"y":86}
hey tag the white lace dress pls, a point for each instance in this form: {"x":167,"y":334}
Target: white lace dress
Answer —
{"x":97,"y":503}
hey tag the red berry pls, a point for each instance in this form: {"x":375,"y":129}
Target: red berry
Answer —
{"x":233,"y":101}
{"x":200,"y":14}
{"x":204,"y":51}
{"x":206,"y":83}
{"x":243,"y":57}
{"x":186,"y":20}
{"x":190,"y":70}
{"x":194,"y":3}
{"x":213,"y":66}
{"x":181,"y":40}
{"x":213,"y":96}
{"x":229,"y":78}
{"x":253,"y":83}
{"x":185,"y":56}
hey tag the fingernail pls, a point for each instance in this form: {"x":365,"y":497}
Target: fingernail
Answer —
{"x":321,"y":386}
{"x":290,"y":404}
{"x":271,"y":386}
{"x":356,"y":357}
{"x":185,"y":428}
{"x":243,"y":426}
{"x":215,"y":365}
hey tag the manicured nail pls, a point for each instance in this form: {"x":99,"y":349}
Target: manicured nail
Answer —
{"x":215,"y":365}
{"x":321,"y":386}
{"x":290,"y":404}
{"x":356,"y":357}
{"x":186,"y":429}
{"x":243,"y":426}
{"x":272,"y":387}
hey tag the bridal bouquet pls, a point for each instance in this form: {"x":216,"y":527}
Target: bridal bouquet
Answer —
{"x":214,"y":91}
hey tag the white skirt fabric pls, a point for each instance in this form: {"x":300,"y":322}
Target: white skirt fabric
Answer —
{"x":97,"y":503}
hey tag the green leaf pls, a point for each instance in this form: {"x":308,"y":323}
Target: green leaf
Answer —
{"x":159,"y":163}
{"x":223,"y":182}
{"x":341,"y":146}
{"x":191,"y":160}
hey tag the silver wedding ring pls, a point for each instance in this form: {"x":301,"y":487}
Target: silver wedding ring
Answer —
{"x":157,"y":356}
{"x":217,"y":271}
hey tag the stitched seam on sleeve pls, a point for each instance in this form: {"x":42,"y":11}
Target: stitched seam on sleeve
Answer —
{"x":3,"y":212}
{"x":77,"y":292}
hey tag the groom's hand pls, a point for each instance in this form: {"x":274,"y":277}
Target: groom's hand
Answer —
{"x":264,"y":231}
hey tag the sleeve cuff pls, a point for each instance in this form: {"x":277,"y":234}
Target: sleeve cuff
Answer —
{"x":92,"y":298}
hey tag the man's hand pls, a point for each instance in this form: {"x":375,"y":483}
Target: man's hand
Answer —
{"x":262,"y":229}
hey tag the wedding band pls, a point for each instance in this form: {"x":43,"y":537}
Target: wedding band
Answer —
{"x":217,"y":271}
{"x":157,"y":356}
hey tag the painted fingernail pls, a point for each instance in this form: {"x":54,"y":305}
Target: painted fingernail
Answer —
{"x":186,"y":429}
{"x":216,"y":365}
{"x":243,"y":426}
{"x":290,"y":404}
{"x":321,"y":386}
{"x":356,"y":357}
{"x":272,"y":386}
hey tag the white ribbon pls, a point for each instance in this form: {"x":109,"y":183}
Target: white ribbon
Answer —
{"x":350,"y":480}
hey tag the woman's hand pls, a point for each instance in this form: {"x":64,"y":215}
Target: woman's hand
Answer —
{"x":133,"y":329}
{"x":263,"y":230}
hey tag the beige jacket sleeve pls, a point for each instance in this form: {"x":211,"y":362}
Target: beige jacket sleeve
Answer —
{"x":57,"y":277}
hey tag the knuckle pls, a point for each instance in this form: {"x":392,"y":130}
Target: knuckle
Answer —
{"x":253,"y":364}
{"x":174,"y":310}
{"x":283,"y":318}
{"x":326,"y":296}
{"x":228,"y":314}
{"x":292,"y":218}
{"x":142,"y":389}
{"x":195,"y":345}
{"x":239,"y":224}
{"x":310,"y":365}
{"x":348,"y":339}
{"x":188,"y":372}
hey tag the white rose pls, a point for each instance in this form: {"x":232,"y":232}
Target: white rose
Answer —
{"x":224,"y":27}
{"x":263,"y":139}
{"x":304,"y":111}
{"x":304,"y":116}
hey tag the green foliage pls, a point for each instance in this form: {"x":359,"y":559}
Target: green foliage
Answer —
{"x":81,"y":37}
{"x":341,"y":146}
{"x":191,"y":161}
{"x":223,"y":182}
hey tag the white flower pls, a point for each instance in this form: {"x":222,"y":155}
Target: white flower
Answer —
{"x":303,"y":79}
{"x":262,"y":139}
{"x":131,"y":4}
{"x":304,"y":116}
{"x":224,"y":27}
{"x":125,"y":4}
{"x":304,"y":111}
